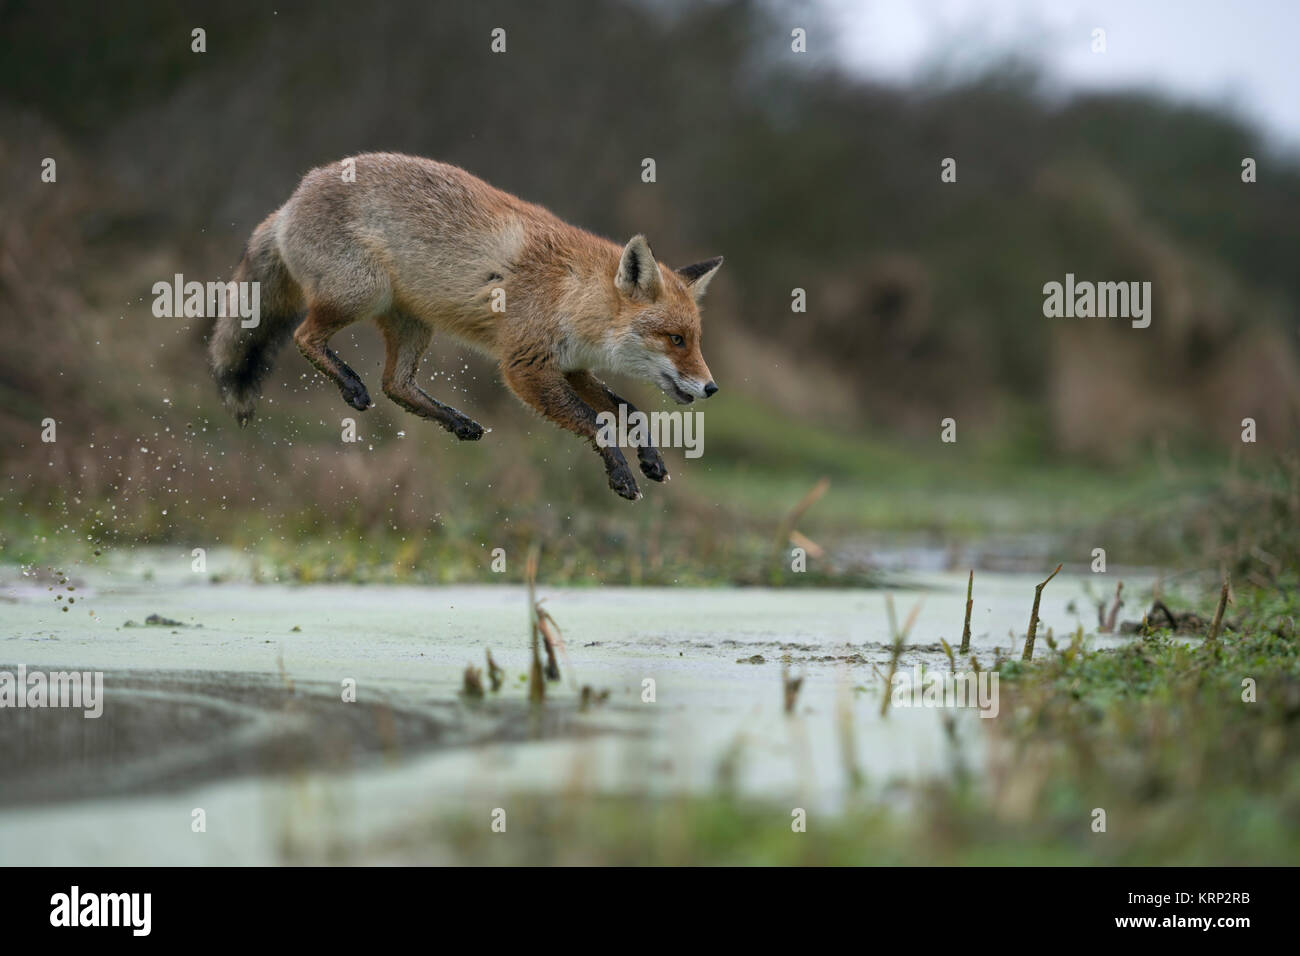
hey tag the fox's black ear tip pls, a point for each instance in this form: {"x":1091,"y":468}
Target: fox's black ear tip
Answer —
{"x":699,"y":270}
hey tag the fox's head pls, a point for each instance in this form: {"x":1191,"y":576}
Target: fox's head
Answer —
{"x":659,"y":322}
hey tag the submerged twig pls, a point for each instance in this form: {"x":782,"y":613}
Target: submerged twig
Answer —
{"x":285,"y":679}
{"x":1164,"y":609}
{"x":472,"y":685}
{"x":1106,"y":625}
{"x":1028,"y":655}
{"x":544,"y":626}
{"x":965,"y":630}
{"x":848,"y":744}
{"x":550,"y":632}
{"x":790,"y":686}
{"x":1218,"y":612}
{"x":590,"y":697}
{"x":800,"y":540}
{"x":786,"y":527}
{"x":536,"y":680}
{"x":496,"y":673}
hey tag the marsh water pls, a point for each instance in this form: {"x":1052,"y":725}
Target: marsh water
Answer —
{"x":288,"y":713}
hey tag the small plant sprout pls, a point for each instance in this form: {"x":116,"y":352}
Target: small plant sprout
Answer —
{"x":947,"y":651}
{"x":899,"y":638}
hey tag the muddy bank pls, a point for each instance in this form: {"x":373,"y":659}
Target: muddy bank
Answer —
{"x":166,"y":731}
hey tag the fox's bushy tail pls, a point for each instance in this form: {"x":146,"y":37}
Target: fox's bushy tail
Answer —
{"x":242,"y":357}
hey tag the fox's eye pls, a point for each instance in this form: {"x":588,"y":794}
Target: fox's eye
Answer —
{"x":677,"y":340}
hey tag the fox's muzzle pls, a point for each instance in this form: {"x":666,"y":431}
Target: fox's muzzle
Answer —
{"x":685,"y":391}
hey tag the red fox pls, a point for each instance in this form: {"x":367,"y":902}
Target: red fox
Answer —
{"x":420,"y":246}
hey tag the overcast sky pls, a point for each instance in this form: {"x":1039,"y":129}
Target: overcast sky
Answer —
{"x":1242,"y":53}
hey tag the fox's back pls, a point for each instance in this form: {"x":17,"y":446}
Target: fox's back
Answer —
{"x":442,"y":237}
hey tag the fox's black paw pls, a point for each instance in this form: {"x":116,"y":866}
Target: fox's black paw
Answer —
{"x":467,"y":430}
{"x":357,"y":396}
{"x":652,"y":464}
{"x":624,"y":485}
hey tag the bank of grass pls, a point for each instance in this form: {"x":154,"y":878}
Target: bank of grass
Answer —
{"x":761,"y":459}
{"x":1160,"y":734}
{"x":303,"y":507}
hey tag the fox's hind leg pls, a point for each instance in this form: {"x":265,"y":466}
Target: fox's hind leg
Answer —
{"x":603,"y":399}
{"x":311,"y":338}
{"x":406,"y":340}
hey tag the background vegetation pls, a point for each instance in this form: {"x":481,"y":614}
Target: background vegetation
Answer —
{"x":924,"y":298}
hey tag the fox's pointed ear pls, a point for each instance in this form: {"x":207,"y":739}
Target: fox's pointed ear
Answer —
{"x":638,"y":273}
{"x":698,"y":276}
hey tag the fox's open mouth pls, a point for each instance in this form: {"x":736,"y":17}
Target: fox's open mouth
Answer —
{"x":671,"y":389}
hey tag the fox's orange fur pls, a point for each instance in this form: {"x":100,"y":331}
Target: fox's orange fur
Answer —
{"x":421,"y":246}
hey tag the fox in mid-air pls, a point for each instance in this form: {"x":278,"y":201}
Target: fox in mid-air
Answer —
{"x":421,"y":246}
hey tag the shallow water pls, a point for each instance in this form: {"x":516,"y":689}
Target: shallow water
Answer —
{"x":240,"y":712}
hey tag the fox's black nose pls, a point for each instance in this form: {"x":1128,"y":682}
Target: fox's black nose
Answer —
{"x":709,"y":390}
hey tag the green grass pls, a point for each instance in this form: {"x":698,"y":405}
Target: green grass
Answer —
{"x":761,"y":461}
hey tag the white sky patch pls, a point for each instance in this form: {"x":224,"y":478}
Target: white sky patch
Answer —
{"x":1240,"y":55}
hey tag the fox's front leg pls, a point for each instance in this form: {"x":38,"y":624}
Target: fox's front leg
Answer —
{"x":603,"y":399}
{"x":548,"y":391}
